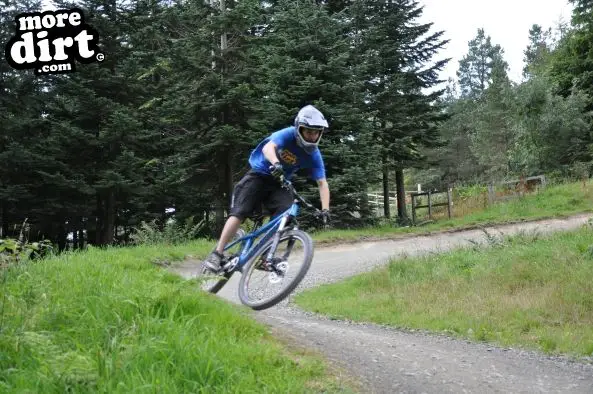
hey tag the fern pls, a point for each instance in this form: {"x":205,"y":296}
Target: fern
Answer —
{"x":172,"y":232}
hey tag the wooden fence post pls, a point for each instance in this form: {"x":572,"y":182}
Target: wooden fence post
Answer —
{"x":413,"y":208}
{"x":429,"y":207}
{"x":449,"y":200}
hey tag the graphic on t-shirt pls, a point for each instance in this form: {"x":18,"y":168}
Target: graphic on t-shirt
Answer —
{"x":288,"y":157}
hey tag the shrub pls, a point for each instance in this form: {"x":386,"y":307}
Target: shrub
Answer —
{"x":15,"y":251}
{"x":171,"y":233}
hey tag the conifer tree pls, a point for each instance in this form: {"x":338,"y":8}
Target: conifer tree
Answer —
{"x":307,"y":58}
{"x":95,"y":118}
{"x":23,"y":100}
{"x":476,"y":67}
{"x":398,"y":54}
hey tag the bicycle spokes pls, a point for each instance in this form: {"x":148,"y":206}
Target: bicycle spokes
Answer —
{"x":269,"y":280}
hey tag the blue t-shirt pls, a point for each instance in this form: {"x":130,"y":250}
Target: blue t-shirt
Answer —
{"x":291,"y":156}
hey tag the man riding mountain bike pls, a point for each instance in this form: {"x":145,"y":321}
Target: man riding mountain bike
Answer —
{"x":279,"y":155}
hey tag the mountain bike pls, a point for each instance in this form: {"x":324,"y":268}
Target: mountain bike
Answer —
{"x":269,"y":256}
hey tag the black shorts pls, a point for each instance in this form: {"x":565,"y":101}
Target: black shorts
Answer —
{"x":255,"y":189}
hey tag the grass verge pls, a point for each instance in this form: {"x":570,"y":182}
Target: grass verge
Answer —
{"x":555,"y":201}
{"x":522,"y":291}
{"x":110,"y":321}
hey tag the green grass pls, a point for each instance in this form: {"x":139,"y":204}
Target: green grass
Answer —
{"x":111,"y":321}
{"x":526,"y":291}
{"x":554,"y":201}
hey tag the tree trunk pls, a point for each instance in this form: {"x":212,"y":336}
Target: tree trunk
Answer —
{"x":386,"y":208}
{"x":3,"y":220}
{"x":225,"y":188}
{"x":81,"y":239}
{"x":219,"y":224}
{"x":401,"y":195}
{"x":229,"y":179}
{"x":75,"y":239}
{"x":221,"y":205}
{"x":109,"y":217}
{"x":62,"y":233}
{"x":99,"y":221}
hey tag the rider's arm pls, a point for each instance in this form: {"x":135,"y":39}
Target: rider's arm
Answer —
{"x":269,"y":151}
{"x":318,"y":174}
{"x":323,"y":193}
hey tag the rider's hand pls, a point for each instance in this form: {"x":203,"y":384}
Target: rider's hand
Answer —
{"x":277,"y":170}
{"x":325,"y":216}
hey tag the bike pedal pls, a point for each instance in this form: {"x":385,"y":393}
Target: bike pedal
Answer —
{"x":230,"y":264}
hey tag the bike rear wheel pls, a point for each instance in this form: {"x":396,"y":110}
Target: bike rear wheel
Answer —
{"x":212,"y":282}
{"x":296,"y":242}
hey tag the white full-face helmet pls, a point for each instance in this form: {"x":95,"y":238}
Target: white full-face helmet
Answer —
{"x":311,"y":118}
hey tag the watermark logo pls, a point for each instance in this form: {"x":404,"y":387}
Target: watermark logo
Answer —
{"x":50,"y":42}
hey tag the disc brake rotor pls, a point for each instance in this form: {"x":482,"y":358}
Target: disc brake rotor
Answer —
{"x":283,"y":268}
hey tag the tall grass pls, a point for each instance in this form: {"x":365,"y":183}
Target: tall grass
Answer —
{"x":527,"y":291}
{"x":110,"y":321}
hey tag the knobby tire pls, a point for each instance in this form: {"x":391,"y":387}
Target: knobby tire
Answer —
{"x":250,"y":266}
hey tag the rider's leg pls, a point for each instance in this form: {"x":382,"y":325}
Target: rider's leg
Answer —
{"x":245,"y":195}
{"x":228,"y":232}
{"x":213,"y":261}
{"x":278,"y":200}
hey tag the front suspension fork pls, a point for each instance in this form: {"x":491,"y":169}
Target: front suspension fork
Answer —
{"x":276,"y":240}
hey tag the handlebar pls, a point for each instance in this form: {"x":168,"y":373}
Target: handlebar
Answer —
{"x":288,"y":185}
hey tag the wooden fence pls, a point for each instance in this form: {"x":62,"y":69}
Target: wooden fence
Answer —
{"x":412,"y":199}
{"x":430,"y":205}
{"x":512,"y":189}
{"x":501,"y":191}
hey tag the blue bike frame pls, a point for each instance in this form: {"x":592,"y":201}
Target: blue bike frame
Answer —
{"x":269,"y":229}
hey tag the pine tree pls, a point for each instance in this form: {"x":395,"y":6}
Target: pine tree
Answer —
{"x":493,"y":134}
{"x":209,"y":103}
{"x":538,"y":50}
{"x":572,"y":70}
{"x":399,"y":58}
{"x":475,"y":68}
{"x":95,"y":117}
{"x":22,"y":106}
{"x":306,"y":58}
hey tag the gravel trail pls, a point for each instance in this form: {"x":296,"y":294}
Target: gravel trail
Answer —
{"x":387,"y":360}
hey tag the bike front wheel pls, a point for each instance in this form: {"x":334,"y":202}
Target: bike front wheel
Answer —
{"x":292,"y":261}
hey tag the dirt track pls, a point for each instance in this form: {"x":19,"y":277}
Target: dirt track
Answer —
{"x":386,"y":360}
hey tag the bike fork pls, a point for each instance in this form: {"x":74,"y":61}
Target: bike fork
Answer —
{"x":276,"y":238}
